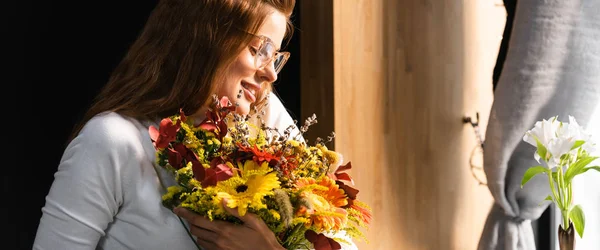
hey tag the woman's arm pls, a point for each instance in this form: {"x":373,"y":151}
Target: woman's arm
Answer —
{"x":86,"y":192}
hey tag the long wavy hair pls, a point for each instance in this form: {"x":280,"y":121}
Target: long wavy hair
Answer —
{"x":180,"y":57}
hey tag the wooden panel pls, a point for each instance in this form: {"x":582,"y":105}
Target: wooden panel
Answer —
{"x":405,"y":73}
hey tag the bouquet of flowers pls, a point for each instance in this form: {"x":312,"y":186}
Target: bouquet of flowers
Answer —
{"x":566,"y":149}
{"x":302,"y":192}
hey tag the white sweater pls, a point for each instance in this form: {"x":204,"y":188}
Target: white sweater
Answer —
{"x":107,"y":195}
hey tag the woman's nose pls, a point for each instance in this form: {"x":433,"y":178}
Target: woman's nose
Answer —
{"x":267,"y":73}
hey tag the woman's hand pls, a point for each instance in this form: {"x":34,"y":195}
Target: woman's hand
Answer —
{"x":222,"y":235}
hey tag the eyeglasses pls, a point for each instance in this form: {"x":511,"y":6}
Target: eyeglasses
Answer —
{"x":267,"y":53}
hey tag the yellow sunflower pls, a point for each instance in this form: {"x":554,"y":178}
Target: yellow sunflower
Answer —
{"x":247,"y":188}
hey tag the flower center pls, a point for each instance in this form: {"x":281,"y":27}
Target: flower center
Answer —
{"x":241,"y":188}
{"x":319,"y":203}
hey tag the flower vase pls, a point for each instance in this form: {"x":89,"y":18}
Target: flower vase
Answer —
{"x":566,"y":238}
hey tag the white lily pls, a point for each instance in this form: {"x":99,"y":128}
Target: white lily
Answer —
{"x":574,"y":132}
{"x":544,"y":131}
{"x":553,"y":140}
{"x":558,"y":138}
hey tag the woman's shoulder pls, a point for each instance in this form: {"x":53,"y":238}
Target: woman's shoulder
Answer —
{"x":110,"y":130}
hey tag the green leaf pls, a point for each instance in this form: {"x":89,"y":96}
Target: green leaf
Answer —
{"x":548,"y":198}
{"x":597,"y":168}
{"x":542,"y":151}
{"x":578,"y":219}
{"x":531,"y":172}
{"x":578,"y":167}
{"x":577,"y":144}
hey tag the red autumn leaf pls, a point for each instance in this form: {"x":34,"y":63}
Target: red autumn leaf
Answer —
{"x":153,"y":131}
{"x":224,"y":170}
{"x":224,"y":102}
{"x":208,"y":126}
{"x":344,"y":168}
{"x":166,"y":133}
{"x":185,"y":152}
{"x":211,"y":176}
{"x":350,"y":191}
{"x":182,"y":116}
{"x":211,"y":115}
{"x":209,"y":179}
{"x":214,"y":124}
{"x":198,"y":170}
{"x":178,"y":153}
{"x":175,"y":158}
{"x":216,"y":161}
{"x":214,"y":118}
{"x":222,"y":129}
{"x":342,"y":175}
{"x":321,"y":242}
{"x":225,"y":105}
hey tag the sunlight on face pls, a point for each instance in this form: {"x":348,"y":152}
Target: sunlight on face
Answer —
{"x":243,"y":75}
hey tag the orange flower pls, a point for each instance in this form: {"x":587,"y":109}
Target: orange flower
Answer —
{"x":326,"y":200}
{"x":258,"y":155}
{"x":343,"y":179}
{"x":364,"y":211}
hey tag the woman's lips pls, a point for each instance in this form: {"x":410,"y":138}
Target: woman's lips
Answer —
{"x":250,"y":90}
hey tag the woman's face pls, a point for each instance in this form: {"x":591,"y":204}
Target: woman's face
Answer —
{"x":243,"y":75}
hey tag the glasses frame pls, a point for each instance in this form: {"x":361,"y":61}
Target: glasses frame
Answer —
{"x":284,"y":55}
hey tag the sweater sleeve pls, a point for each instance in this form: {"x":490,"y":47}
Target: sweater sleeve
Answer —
{"x":86,"y":192}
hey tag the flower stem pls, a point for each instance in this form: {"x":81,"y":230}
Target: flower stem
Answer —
{"x":565,"y":219}
{"x":553,"y":189}
{"x":554,"y":192}
{"x":570,"y":191}
{"x":564,"y":190}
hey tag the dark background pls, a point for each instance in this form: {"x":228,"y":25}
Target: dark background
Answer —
{"x":59,"y":55}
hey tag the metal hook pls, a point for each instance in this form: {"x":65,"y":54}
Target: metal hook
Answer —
{"x":475,"y":125}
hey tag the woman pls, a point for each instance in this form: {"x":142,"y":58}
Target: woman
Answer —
{"x":107,"y":193}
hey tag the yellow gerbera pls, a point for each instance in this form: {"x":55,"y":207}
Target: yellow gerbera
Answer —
{"x":247,"y":189}
{"x":251,"y":167}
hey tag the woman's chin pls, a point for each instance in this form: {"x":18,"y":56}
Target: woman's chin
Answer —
{"x":243,"y":108}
